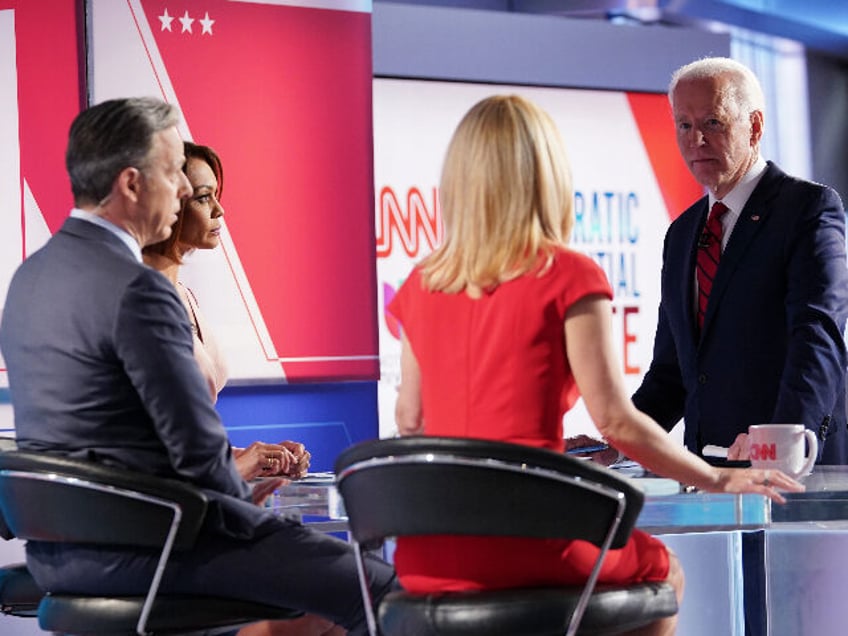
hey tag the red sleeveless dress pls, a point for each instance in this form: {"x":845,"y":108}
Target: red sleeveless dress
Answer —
{"x":496,"y":368}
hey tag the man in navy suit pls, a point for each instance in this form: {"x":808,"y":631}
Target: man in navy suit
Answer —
{"x":768,"y":344}
{"x":771,"y":346}
{"x":99,"y":355}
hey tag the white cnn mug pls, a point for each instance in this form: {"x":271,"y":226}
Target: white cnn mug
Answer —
{"x":781,"y":447}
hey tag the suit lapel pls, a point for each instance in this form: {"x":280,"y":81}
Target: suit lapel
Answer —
{"x":687,"y":281}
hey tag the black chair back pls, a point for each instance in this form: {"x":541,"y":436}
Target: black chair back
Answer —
{"x":46,"y":497}
{"x":132,"y":508}
{"x":417,"y":486}
{"x":480,"y":487}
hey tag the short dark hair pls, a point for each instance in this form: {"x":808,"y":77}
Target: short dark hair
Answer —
{"x":170,"y":246}
{"x":109,"y":137}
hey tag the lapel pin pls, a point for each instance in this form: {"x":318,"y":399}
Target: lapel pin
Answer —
{"x":755,"y":217}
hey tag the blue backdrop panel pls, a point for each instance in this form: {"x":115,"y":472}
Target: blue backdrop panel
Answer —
{"x":326,"y":417}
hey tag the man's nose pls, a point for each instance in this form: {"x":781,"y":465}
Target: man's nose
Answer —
{"x":695,"y":137}
{"x":185,"y":188}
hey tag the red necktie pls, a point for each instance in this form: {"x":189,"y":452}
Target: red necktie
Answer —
{"x":709,"y":253}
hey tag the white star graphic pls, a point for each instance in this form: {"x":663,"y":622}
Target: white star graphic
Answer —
{"x":166,"y":20}
{"x":207,"y":24}
{"x":186,"y":22}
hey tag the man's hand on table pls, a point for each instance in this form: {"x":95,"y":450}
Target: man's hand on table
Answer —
{"x":740,"y":450}
{"x":264,"y":488}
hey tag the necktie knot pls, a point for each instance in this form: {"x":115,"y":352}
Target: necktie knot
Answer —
{"x":718,"y":210}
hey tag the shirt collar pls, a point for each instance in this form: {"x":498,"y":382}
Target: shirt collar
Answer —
{"x":736,"y":199}
{"x":111,"y":227}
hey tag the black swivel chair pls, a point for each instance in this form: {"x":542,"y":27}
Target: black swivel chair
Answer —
{"x":19,"y":594}
{"x":430,"y":486}
{"x":49,"y":498}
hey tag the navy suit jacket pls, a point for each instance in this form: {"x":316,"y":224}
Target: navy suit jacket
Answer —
{"x":772,"y":347}
{"x":99,"y":355}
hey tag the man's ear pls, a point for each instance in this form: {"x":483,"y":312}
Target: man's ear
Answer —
{"x":756,"y":127}
{"x":129,"y":183}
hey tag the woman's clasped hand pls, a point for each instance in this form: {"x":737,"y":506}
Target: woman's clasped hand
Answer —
{"x":285,"y":459}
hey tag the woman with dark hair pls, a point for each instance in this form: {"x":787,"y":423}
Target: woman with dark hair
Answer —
{"x":198,"y":227}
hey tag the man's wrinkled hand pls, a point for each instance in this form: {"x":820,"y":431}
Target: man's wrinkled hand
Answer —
{"x":264,"y":488}
{"x":740,"y":450}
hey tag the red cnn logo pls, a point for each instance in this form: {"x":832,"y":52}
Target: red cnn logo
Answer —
{"x":763,"y":451}
{"x":418,"y":226}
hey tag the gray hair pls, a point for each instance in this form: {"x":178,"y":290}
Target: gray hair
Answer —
{"x":109,"y":137}
{"x":744,"y":90}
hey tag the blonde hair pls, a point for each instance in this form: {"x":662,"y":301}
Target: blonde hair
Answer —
{"x":506,"y":197}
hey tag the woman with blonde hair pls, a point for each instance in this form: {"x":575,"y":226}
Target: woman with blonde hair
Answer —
{"x":499,"y":324}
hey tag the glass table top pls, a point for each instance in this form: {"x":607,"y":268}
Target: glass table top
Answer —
{"x":667,"y":508}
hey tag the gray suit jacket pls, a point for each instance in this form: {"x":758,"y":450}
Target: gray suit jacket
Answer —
{"x":99,"y":355}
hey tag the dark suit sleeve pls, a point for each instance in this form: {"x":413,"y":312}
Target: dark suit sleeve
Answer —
{"x":661,"y":395}
{"x":816,"y":309}
{"x":154,"y":342}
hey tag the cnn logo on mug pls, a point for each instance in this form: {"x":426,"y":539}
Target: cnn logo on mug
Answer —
{"x":764,"y":451}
